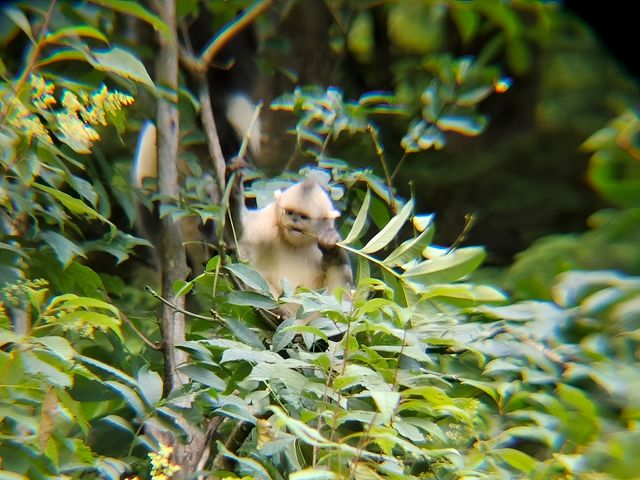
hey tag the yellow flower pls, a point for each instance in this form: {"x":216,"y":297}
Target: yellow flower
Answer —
{"x":161,"y":467}
{"x":42,"y":92}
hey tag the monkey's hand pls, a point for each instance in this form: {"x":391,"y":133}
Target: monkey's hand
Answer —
{"x":335,"y":261}
{"x":327,"y":240}
{"x":236,"y":164}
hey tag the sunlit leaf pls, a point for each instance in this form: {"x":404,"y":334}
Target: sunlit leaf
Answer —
{"x":474,"y":96}
{"x":20,"y":19}
{"x":466,"y":125}
{"x":312,"y":474}
{"x":389,"y":232}
{"x":75,"y":31}
{"x":516,"y":459}
{"x":360,"y":221}
{"x":450,"y":267}
{"x":121,"y":62}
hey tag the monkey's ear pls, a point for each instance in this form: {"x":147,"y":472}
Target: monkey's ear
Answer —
{"x":333,"y":214}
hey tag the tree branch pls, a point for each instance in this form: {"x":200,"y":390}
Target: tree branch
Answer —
{"x":231,"y":29}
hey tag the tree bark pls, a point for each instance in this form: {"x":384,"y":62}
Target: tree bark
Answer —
{"x":172,"y":255}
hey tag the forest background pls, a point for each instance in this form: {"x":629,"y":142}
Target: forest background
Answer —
{"x":503,"y":344}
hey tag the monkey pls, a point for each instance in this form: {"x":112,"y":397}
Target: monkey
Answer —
{"x":294,"y":237}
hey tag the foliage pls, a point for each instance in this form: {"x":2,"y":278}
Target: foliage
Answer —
{"x":612,"y":241}
{"x":418,"y":372}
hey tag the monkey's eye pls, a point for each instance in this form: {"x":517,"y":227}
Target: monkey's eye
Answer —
{"x":303,"y":217}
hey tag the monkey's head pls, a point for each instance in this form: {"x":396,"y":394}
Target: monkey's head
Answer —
{"x":303,"y":211}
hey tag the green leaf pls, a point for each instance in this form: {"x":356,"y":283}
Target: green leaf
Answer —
{"x":109,"y":369}
{"x":6,"y":475}
{"x":386,"y":402}
{"x":472,"y":97}
{"x":242,"y":332}
{"x":312,"y":474}
{"x":466,"y":125}
{"x":466,"y":20}
{"x":446,"y":268}
{"x":135,"y":9}
{"x":516,"y":459}
{"x":150,"y":384}
{"x":252,"y":299}
{"x":389,"y":232}
{"x":464,"y":291}
{"x":120,"y":423}
{"x":20,"y":19}
{"x":237,"y":411}
{"x":61,"y":55}
{"x":75,"y":31}
{"x":57,"y":345}
{"x":412,"y":248}
{"x":129,"y":395}
{"x":249,"y":277}
{"x":121,"y":62}
{"x":64,"y":248}
{"x":360,"y":221}
{"x":181,"y":287}
{"x":46,"y":370}
{"x":73,"y":302}
{"x":95,"y":319}
{"x":75,"y":205}
{"x":204,"y":376}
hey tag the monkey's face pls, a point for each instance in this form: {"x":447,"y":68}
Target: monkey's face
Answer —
{"x":303,"y":211}
{"x":299,"y":229}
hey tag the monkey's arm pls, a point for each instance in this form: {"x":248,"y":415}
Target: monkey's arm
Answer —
{"x":335,"y":261}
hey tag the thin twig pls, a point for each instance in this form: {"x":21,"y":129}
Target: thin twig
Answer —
{"x":140,"y":335}
{"x":177,"y":308}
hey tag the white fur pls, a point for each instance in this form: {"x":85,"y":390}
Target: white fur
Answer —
{"x":240,"y":111}
{"x":262,"y":246}
{"x":145,"y":164}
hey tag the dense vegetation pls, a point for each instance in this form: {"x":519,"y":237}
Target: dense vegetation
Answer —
{"x":433,"y":365}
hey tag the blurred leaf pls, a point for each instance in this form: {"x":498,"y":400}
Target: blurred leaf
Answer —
{"x":516,"y":459}
{"x":73,"y":32}
{"x":360,"y":221}
{"x":64,"y":248}
{"x":389,"y":232}
{"x":121,"y":62}
{"x":449,"y":267}
{"x":137,"y":10}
